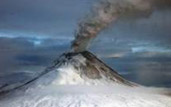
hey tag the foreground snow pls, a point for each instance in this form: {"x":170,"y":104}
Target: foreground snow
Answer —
{"x":87,"y":96}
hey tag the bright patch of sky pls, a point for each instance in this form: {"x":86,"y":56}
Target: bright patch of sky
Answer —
{"x":36,"y":38}
{"x":16,"y":34}
{"x":150,"y":49}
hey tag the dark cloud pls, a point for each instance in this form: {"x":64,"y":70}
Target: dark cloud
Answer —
{"x":17,"y":54}
{"x":162,"y":4}
{"x":143,"y":69}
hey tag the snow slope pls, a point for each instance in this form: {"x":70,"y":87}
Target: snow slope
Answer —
{"x":81,"y":96}
{"x":69,"y":83}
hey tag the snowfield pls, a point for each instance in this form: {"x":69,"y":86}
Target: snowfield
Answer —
{"x":82,"y":96}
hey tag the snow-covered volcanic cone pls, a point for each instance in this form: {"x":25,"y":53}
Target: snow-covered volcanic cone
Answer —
{"x":81,"y":80}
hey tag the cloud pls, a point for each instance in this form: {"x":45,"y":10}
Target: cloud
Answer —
{"x":147,"y":68}
{"x":21,"y":53}
{"x":163,"y":4}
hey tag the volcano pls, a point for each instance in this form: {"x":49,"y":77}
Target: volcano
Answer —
{"x":86,"y":68}
{"x":80,"y":80}
{"x":82,"y":68}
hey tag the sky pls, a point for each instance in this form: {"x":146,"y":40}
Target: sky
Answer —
{"x":34,"y":33}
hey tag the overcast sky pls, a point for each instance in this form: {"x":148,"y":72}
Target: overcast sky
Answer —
{"x":33,"y":33}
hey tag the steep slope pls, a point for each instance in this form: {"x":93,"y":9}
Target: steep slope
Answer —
{"x":86,"y":68}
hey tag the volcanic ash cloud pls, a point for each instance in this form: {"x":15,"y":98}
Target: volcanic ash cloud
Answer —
{"x":107,"y":12}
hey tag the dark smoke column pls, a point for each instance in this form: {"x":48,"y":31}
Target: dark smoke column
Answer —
{"x":91,"y":26}
{"x":104,"y":13}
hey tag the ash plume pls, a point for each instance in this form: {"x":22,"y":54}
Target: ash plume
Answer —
{"x":108,"y":11}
